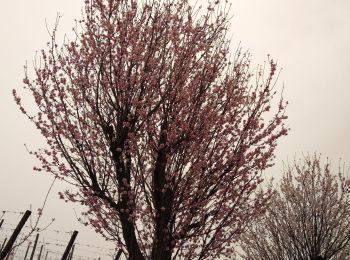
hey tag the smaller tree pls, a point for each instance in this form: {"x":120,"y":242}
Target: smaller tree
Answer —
{"x":308,"y":218}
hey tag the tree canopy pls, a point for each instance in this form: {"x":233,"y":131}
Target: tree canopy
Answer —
{"x":309,"y":217}
{"x":163,"y":132}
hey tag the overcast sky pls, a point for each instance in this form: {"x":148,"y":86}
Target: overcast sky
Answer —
{"x":309,"y":39}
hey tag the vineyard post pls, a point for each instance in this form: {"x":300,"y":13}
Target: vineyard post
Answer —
{"x":14,"y":235}
{"x":34,"y":247}
{"x":69,"y":246}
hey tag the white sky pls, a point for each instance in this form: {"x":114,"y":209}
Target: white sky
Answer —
{"x":310,"y":39}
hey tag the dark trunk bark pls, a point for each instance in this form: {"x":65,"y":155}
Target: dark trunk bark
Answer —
{"x":130,"y":240}
{"x":163,"y":200}
{"x":123,"y":172}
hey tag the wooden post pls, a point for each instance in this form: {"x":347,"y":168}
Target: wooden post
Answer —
{"x":1,"y":222}
{"x":14,"y":235}
{"x":34,"y":247}
{"x":25,"y":256}
{"x":41,"y":250}
{"x":71,"y":254}
{"x":47,"y":252}
{"x":3,"y":244}
{"x":69,"y":246}
{"x":118,"y":254}
{"x":9,"y":255}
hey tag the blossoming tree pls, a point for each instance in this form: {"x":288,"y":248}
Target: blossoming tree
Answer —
{"x":308,"y":219}
{"x":164,"y":137}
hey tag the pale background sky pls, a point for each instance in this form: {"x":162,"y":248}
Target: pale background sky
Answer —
{"x":310,"y":40}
